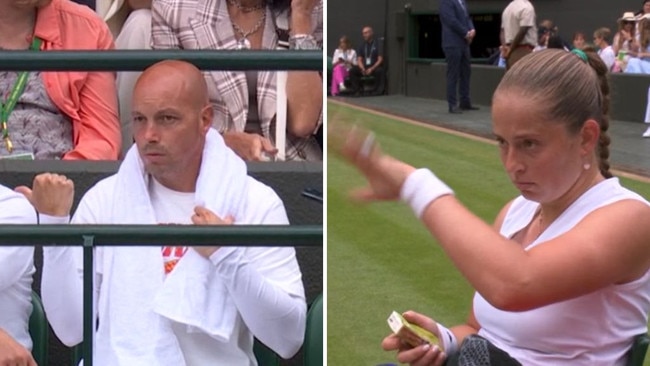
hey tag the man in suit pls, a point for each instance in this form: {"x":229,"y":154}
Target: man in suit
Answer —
{"x":457,"y":34}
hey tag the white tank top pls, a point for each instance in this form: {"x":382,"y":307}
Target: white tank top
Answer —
{"x":594,"y":329}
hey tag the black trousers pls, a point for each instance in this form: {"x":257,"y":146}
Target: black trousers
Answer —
{"x":355,"y":80}
{"x":458,"y":73}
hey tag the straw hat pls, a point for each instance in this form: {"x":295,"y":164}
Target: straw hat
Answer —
{"x":628,"y":16}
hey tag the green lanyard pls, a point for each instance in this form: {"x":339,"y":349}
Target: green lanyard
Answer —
{"x":8,"y":106}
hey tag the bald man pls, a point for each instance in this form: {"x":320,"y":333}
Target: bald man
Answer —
{"x":179,"y":305}
{"x":370,"y":59}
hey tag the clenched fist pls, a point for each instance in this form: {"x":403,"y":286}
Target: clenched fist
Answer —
{"x":203,"y":216}
{"x":51,"y":194}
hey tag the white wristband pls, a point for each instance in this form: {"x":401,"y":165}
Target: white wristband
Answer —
{"x":447,"y":339}
{"x":421,"y":188}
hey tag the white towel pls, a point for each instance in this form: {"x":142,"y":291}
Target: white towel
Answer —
{"x":137,"y":300}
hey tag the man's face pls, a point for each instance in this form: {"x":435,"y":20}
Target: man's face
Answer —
{"x":169,"y":127}
{"x":367,"y":34}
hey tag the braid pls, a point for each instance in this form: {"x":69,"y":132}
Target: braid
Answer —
{"x":603,"y":143}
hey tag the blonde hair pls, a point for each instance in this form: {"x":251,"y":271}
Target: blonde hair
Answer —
{"x":603,"y":33}
{"x":573,"y":90}
{"x":644,"y":32}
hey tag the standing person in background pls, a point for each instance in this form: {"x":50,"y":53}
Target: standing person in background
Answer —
{"x":457,"y":34}
{"x":518,"y":30}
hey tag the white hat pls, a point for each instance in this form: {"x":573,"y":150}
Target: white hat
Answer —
{"x":628,"y":16}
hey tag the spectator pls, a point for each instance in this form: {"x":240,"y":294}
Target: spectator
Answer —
{"x":17,"y":269}
{"x":578,"y":40}
{"x":130,"y":24}
{"x":57,"y":115}
{"x":605,"y":50}
{"x":555,"y":41}
{"x":245,"y":102}
{"x":50,"y":192}
{"x":571,"y":248}
{"x":640,"y":63}
{"x":625,"y":41}
{"x":645,"y":8}
{"x":457,"y":34}
{"x":370,"y":60}
{"x":343,"y":60}
{"x":180,"y":305}
{"x":543,"y":35}
{"x":518,"y":30}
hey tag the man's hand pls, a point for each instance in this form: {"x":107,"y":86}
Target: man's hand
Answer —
{"x":203,"y":216}
{"x":12,"y":353}
{"x":470,"y":35}
{"x":249,"y":146}
{"x":505,"y":52}
{"x":51,"y":194}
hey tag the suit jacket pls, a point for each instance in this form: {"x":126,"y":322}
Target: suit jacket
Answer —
{"x":205,"y":24}
{"x":456,"y":22}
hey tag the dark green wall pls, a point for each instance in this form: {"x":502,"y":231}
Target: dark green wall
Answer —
{"x":287,"y":179}
{"x":424,"y":79}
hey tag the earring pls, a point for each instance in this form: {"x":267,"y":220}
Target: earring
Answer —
{"x":586,"y":166}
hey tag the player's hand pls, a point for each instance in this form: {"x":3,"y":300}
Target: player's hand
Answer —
{"x":423,"y":355}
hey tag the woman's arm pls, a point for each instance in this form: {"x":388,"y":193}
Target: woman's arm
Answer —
{"x":610,"y":245}
{"x":97,"y":132}
{"x":305,"y":88}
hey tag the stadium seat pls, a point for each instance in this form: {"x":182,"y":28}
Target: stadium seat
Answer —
{"x":313,"y":347}
{"x":264,"y":355}
{"x":636,"y":355}
{"x":38,"y":330}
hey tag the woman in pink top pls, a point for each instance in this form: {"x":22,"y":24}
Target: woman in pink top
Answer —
{"x":56,"y":115}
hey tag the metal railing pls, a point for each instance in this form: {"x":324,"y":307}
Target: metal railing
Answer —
{"x":137,"y":60}
{"x":90,"y":236}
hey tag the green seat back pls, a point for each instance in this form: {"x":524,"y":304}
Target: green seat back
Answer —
{"x":38,"y":330}
{"x":313,"y":348}
{"x":636,"y":355}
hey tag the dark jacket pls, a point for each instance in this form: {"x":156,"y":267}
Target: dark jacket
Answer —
{"x":456,"y":22}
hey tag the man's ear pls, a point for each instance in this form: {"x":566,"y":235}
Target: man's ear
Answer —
{"x":206,"y":117}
